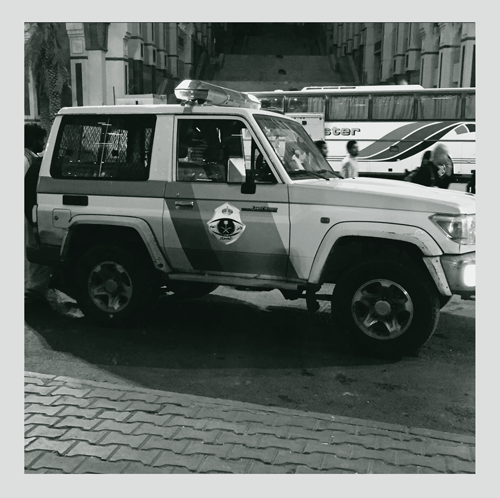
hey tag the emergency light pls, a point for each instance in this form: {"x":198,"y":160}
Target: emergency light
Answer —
{"x":196,"y":91}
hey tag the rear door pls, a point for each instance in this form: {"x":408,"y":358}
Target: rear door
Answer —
{"x":209,"y":225}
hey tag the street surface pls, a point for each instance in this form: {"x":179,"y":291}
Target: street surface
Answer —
{"x":257,"y":347}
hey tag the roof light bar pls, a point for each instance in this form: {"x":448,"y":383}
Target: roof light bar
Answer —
{"x":199,"y":91}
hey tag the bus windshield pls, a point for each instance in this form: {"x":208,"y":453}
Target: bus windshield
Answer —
{"x":297,"y":152}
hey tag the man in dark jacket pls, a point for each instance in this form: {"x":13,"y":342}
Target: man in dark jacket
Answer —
{"x":36,"y":277}
{"x":436,"y":169}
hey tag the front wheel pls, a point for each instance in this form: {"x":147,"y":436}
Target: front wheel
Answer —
{"x":388,"y":308}
{"x":113,"y":284}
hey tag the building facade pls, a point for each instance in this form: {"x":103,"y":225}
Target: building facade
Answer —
{"x":108,"y":61}
{"x":434,"y":55}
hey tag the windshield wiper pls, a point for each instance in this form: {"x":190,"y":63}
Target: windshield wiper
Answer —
{"x":335,"y":175}
{"x":307,"y":172}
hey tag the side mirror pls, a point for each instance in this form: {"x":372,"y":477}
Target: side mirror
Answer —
{"x":249,"y":187}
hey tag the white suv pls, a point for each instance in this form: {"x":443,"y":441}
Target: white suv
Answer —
{"x":218,"y":192}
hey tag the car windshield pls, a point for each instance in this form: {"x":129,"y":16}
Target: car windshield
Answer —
{"x":297,"y":152}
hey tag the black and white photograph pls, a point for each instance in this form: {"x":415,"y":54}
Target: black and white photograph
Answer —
{"x":250,"y":247}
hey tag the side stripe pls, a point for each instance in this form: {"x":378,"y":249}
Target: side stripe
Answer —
{"x":193,"y":236}
{"x":149,"y":188}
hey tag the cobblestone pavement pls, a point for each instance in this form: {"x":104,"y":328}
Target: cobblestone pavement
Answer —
{"x":78,"y":427}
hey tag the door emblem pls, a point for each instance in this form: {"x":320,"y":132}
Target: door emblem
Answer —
{"x":226,"y":224}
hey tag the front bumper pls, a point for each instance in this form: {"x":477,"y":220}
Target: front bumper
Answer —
{"x":460,"y":271}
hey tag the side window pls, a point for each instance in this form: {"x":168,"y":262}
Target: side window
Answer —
{"x":104,"y":147}
{"x":398,"y":107}
{"x":263,"y":173}
{"x":470,"y":106}
{"x":306,"y":104}
{"x":439,"y":106}
{"x":348,"y":107}
{"x":216,"y":150}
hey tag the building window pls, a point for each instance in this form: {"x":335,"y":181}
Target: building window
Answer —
{"x":152,"y":31}
{"x":473,"y":75}
{"x":142,"y":50}
{"x":165,"y":57}
{"x":26,"y":94}
{"x":79,"y":84}
{"x":462,"y":67}
{"x":126,"y":79}
{"x":154,"y":55}
{"x":440,"y":69}
{"x":140,"y":28}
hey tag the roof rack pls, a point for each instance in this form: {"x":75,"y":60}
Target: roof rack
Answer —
{"x":196,"y":92}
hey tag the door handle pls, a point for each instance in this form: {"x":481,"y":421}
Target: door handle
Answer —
{"x":184,"y":204}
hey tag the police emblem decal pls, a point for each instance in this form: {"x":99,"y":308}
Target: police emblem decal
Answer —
{"x":226,"y":224}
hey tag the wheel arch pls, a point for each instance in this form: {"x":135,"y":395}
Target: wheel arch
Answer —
{"x":340,"y":249}
{"x":85,"y":232}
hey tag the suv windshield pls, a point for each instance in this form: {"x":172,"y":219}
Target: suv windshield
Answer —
{"x":297,"y":152}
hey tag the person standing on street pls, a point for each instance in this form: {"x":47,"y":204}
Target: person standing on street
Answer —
{"x":441,"y":158}
{"x":349,"y":165}
{"x":36,"y":277}
{"x":427,"y":173}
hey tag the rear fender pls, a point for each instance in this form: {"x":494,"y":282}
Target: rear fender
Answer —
{"x":139,"y":225}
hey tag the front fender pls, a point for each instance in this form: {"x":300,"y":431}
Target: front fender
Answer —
{"x":139,"y":225}
{"x":389,"y":231}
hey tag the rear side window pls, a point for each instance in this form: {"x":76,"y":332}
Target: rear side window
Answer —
{"x":104,"y":147}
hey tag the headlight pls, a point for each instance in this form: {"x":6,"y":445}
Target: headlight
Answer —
{"x":459,"y":228}
{"x":469,"y":275}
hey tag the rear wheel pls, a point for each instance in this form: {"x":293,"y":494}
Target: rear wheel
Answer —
{"x":113,"y":284}
{"x":388,"y":308}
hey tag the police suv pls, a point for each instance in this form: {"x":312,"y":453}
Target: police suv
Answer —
{"x":133,"y":199}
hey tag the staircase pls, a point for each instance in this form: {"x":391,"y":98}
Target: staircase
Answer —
{"x":270,"y":56}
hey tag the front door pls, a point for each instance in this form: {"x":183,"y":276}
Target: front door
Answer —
{"x":209,"y":225}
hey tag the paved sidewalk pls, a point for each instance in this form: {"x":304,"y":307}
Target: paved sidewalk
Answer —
{"x":79,"y":426}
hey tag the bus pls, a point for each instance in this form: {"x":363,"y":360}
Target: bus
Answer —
{"x":393,"y":124}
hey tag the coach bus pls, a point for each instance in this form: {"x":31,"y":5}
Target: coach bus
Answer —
{"x":394,"y":124}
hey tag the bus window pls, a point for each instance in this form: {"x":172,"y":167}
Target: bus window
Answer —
{"x":470,"y":107}
{"x":438,"y":106}
{"x":395,"y":107}
{"x":306,"y":104}
{"x":348,"y":107}
{"x":272,"y":102}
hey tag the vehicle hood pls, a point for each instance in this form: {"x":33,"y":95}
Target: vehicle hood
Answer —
{"x":382,"y":194}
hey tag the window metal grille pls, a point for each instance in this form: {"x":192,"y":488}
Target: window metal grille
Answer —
{"x":104,"y":147}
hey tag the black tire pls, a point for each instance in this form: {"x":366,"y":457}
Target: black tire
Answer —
{"x":382,"y":291}
{"x":122,"y":280}
{"x":187,"y":290}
